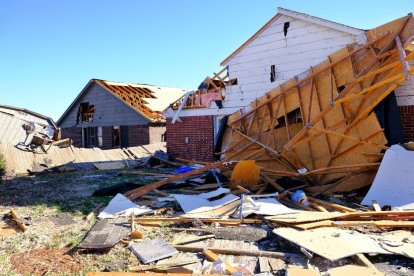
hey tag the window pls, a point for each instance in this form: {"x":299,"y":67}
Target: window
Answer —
{"x":272,"y":73}
{"x":86,"y":112}
{"x":89,"y":137}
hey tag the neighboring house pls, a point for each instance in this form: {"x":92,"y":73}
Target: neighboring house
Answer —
{"x":288,"y":44}
{"x":15,"y":123}
{"x":115,"y":114}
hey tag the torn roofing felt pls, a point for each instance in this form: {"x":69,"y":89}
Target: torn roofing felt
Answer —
{"x":321,"y":122}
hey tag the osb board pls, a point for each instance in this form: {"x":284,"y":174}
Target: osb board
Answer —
{"x":331,"y":243}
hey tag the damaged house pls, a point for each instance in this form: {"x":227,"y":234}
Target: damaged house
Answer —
{"x":287,"y":45}
{"x":116,"y":114}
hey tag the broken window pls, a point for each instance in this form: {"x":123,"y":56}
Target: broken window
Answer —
{"x":231,"y":82}
{"x":116,"y":136}
{"x":86,"y":112}
{"x":272,"y":73}
{"x":286,"y":27}
{"x":293,"y":117}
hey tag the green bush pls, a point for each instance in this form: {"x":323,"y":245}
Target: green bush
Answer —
{"x":2,"y":165}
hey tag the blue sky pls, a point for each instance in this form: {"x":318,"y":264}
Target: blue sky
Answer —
{"x":50,"y":49}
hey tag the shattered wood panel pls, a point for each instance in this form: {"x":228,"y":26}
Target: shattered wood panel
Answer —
{"x":20,"y":161}
{"x":323,"y":119}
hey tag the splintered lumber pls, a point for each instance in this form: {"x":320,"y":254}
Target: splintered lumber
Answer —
{"x":357,"y":217}
{"x":207,"y":220}
{"x":237,"y":252}
{"x":21,"y":226}
{"x":135,"y":193}
{"x":319,"y":127}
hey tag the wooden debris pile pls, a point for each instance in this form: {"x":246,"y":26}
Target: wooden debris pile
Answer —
{"x":188,"y":234}
{"x":319,"y":127}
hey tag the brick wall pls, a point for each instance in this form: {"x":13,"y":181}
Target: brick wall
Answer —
{"x":407,"y":118}
{"x":74,"y":133}
{"x":138,"y":135}
{"x":199,"y":130}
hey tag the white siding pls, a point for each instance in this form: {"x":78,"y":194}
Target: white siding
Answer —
{"x":305,"y":45}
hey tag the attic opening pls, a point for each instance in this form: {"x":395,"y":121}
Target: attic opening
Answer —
{"x":86,"y":112}
{"x":286,"y":27}
{"x":293,"y":117}
{"x":272,"y":73}
{"x":341,"y":88}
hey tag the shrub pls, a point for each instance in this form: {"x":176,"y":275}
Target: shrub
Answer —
{"x":2,"y":165}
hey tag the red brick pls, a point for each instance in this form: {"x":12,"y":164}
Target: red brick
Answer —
{"x":199,"y":130}
{"x":407,"y":118}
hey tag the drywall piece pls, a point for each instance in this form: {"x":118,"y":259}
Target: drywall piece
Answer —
{"x":201,"y":203}
{"x":105,"y":234}
{"x":221,"y":210}
{"x":110,"y":165}
{"x":152,"y":250}
{"x":347,"y":270}
{"x":305,"y":216}
{"x":264,"y":206}
{"x":122,"y":206}
{"x":400,"y":242}
{"x":394,"y":182}
{"x":331,"y":243}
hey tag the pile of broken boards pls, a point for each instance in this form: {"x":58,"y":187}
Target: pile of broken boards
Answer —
{"x":211,"y":229}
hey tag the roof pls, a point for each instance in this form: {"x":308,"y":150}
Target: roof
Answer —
{"x":26,"y":111}
{"x":301,"y":16}
{"x":147,"y":100}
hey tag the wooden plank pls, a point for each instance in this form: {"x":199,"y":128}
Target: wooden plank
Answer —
{"x":135,"y":193}
{"x":242,"y":252}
